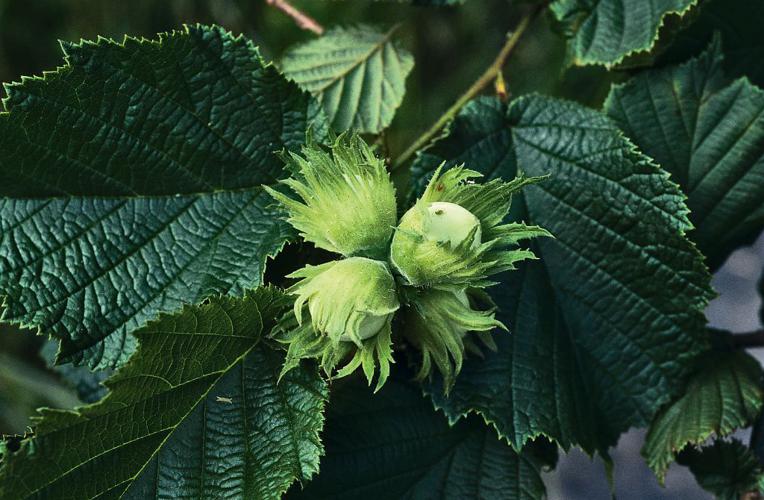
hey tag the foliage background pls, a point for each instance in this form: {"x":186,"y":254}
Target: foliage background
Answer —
{"x":451,"y":46}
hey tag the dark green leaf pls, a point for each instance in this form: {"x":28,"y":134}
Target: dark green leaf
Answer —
{"x":709,"y":133}
{"x":757,"y":438}
{"x":726,"y":468}
{"x":739,"y":22}
{"x":603,"y":327}
{"x":392,"y":444}
{"x":725,"y":395}
{"x":357,"y":73}
{"x":131,"y":184}
{"x":196,"y":412}
{"x":607,"y":31}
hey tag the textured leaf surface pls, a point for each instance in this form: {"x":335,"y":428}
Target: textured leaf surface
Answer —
{"x":709,"y":133}
{"x":196,"y":412}
{"x":603,"y":327}
{"x":606,"y":31}
{"x":725,"y":395}
{"x":392,"y":444}
{"x":130,"y":184}
{"x":357,"y":73}
{"x":726,"y":468}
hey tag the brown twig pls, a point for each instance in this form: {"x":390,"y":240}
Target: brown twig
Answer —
{"x":303,"y":20}
{"x":488,"y":76}
{"x":748,"y":340}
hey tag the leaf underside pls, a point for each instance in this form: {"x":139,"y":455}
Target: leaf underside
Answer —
{"x":725,"y":395}
{"x":131,"y":184}
{"x":605,"y":32}
{"x":619,"y":277}
{"x":392,"y":444}
{"x":196,"y":412}
{"x":708,"y":132}
{"x":357,"y":73}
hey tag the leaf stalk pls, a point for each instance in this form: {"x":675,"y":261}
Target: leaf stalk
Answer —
{"x":748,"y":340}
{"x":303,"y":20}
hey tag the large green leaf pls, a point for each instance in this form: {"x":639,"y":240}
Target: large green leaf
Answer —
{"x":130,"y":184}
{"x":357,"y":73}
{"x":607,"y":31}
{"x":394,"y":445}
{"x":604,"y":326}
{"x":725,"y":395}
{"x":739,"y":22}
{"x":728,"y":469}
{"x":709,"y":133}
{"x":196,"y":412}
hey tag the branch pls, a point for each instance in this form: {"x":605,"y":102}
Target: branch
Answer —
{"x":485,"y":79}
{"x":303,"y":20}
{"x":748,"y":340}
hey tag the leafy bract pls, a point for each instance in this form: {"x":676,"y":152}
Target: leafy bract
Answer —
{"x":442,"y":324}
{"x":488,"y":248}
{"x":131,"y":183}
{"x":709,"y":133}
{"x":196,"y":412}
{"x":346,"y":202}
{"x":725,"y":395}
{"x":394,"y":445}
{"x":728,"y":469}
{"x":358,"y":74}
{"x":607,"y":31}
{"x":604,"y":325}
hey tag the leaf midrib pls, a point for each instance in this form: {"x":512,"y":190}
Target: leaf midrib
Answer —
{"x":199,"y":400}
{"x":361,"y":60}
{"x":215,"y":376}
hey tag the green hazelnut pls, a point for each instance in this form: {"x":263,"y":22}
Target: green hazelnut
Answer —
{"x":431,"y":234}
{"x":349,"y":300}
{"x":449,"y":222}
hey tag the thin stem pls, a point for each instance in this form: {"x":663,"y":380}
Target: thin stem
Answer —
{"x":748,"y":340}
{"x":303,"y":20}
{"x":485,"y":79}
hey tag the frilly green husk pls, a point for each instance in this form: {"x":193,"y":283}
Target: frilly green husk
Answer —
{"x":346,"y":201}
{"x":441,"y":324}
{"x":342,"y":309}
{"x":443,"y":252}
{"x":344,"y":296}
{"x":425,"y":261}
